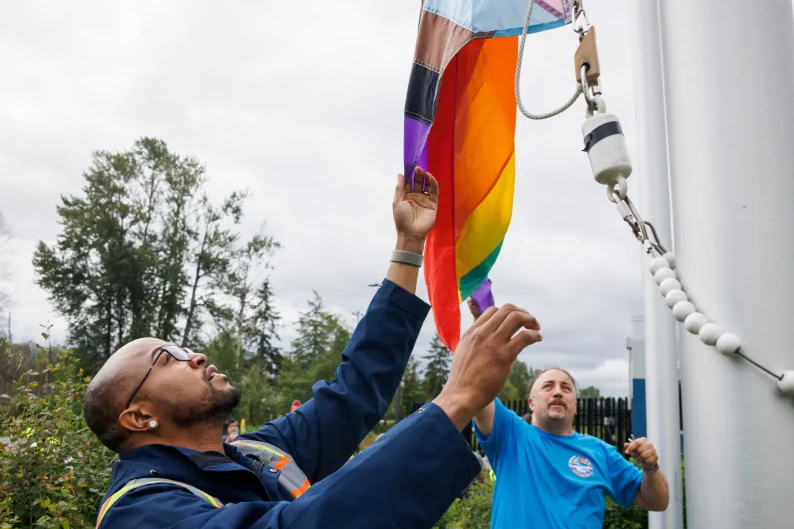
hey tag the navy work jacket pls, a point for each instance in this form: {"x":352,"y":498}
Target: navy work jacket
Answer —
{"x":406,"y":480}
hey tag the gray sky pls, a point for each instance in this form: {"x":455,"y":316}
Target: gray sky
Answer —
{"x":303,"y":106}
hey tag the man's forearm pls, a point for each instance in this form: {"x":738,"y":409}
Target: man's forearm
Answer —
{"x":405,"y":275}
{"x":654,"y":491}
{"x":409,"y":478}
{"x":484,"y":418}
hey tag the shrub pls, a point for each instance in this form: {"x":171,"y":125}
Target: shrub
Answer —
{"x":473,"y":510}
{"x":53,"y":472}
{"x":617,"y":517}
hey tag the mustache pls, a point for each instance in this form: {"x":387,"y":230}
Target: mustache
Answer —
{"x":558,"y":402}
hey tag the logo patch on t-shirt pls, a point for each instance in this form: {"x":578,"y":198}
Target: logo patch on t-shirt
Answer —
{"x":581,"y":466}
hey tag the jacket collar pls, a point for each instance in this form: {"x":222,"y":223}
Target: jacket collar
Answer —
{"x":228,"y":476}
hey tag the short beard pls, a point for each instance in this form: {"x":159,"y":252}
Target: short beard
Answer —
{"x":214,"y":406}
{"x":554,"y":415}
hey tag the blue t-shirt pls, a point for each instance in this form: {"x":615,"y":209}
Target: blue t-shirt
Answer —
{"x":553,"y":481}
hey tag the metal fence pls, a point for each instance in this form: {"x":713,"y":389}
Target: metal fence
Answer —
{"x":609,"y":419}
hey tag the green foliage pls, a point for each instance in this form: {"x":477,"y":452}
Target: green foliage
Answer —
{"x":53,"y":472}
{"x":617,"y":517}
{"x":261,"y":329}
{"x":410,"y":387}
{"x":144,"y":251}
{"x":316,"y":352}
{"x":590,"y":392}
{"x":473,"y":511}
{"x":519,"y":379}
{"x":260,"y":390}
{"x":437,"y":371}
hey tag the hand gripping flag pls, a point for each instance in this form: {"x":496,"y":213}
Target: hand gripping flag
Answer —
{"x":460,"y":120}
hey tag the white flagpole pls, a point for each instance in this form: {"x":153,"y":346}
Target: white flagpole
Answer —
{"x":729,"y":79}
{"x":651,"y":170}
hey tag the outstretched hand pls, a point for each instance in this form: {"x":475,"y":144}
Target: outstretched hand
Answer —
{"x":484,"y":358}
{"x":415,"y":206}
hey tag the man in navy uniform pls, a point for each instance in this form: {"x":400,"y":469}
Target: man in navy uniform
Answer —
{"x":161,"y":407}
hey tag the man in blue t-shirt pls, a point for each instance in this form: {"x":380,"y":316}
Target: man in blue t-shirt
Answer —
{"x":551,"y":477}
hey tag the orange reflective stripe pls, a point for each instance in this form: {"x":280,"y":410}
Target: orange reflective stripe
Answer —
{"x":281,"y":462}
{"x":304,"y":487}
{"x":110,"y":501}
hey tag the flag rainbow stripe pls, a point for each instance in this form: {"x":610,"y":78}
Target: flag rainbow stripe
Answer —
{"x":460,"y":120}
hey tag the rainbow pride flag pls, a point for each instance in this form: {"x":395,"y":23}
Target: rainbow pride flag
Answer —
{"x":460,"y":121}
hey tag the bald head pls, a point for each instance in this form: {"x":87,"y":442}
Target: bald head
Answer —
{"x":178,"y":393}
{"x":548,"y":373}
{"x":112,"y":386}
{"x":552,"y":401}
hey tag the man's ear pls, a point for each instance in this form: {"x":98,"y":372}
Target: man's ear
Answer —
{"x":531,"y":405}
{"x":138,"y":418}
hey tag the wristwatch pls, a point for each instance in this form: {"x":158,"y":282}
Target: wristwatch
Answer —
{"x":654,"y":468}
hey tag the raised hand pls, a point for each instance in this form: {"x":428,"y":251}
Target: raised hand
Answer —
{"x":414,"y":207}
{"x":643,"y":451}
{"x":484,"y":358}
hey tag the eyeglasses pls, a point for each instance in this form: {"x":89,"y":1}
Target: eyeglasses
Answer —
{"x":172,"y":350}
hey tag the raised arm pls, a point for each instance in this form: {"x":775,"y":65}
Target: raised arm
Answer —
{"x":483,"y":419}
{"x":408,"y":479}
{"x":653,"y":494}
{"x":323,"y":433}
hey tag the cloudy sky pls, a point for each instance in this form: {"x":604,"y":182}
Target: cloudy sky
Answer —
{"x":302,"y":104}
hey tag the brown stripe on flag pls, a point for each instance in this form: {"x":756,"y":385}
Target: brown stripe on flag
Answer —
{"x":549,"y":9}
{"x":438,"y":41}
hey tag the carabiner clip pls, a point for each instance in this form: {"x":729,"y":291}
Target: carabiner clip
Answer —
{"x":581,"y":24}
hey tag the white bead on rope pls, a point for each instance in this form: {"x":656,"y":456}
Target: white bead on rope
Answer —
{"x":657,"y":263}
{"x":728,"y":344}
{"x":682,"y":310}
{"x":662,"y":274}
{"x":786,"y":383}
{"x":694,"y":322}
{"x":669,"y":285}
{"x":675,"y":296}
{"x":670,"y":258}
{"x":710,"y":333}
{"x":611,"y":166}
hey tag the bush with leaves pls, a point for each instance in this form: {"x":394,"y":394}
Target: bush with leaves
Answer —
{"x":473,"y":510}
{"x":53,"y":471}
{"x":617,"y":517}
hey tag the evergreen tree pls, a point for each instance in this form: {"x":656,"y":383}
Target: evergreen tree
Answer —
{"x":411,"y":387}
{"x":254,"y":318}
{"x":262,"y":329}
{"x":316,"y":352}
{"x":437,"y":371}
